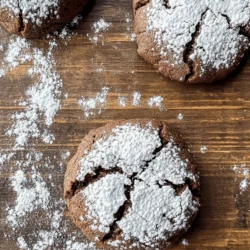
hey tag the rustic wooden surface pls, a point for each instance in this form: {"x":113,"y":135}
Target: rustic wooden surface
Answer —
{"x":216,"y":115}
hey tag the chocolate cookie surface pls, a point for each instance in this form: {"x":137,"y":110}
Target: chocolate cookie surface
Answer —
{"x":192,"y":40}
{"x":132,"y":184}
{"x":31,"y":19}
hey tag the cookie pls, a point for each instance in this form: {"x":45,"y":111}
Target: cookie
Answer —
{"x":132,"y":184}
{"x":31,"y":19}
{"x":192,"y":41}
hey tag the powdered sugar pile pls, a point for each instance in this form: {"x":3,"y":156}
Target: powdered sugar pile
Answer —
{"x":28,"y":199}
{"x":38,"y":201}
{"x":219,"y":40}
{"x":89,"y":105}
{"x":156,"y":212}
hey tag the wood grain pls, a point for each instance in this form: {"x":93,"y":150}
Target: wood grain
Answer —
{"x":215,"y":115}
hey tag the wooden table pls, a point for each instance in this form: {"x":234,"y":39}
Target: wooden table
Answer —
{"x":216,"y":116}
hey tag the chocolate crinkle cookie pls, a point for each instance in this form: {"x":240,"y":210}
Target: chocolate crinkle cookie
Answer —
{"x":131,"y":185}
{"x":36,"y":18}
{"x":193,"y":40}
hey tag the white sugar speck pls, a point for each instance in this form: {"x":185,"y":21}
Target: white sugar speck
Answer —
{"x":184,"y":242}
{"x":203,"y":149}
{"x":180,"y":116}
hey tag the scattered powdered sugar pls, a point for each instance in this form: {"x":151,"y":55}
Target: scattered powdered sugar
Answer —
{"x":98,"y":28}
{"x":5,"y":157}
{"x":43,"y":98}
{"x":180,"y":116}
{"x":203,"y":149}
{"x":156,"y":212}
{"x":89,"y":105}
{"x":136,"y":99}
{"x":100,"y":25}
{"x":37,"y":206}
{"x":122,"y":149}
{"x":242,"y":170}
{"x":28,"y":198}
{"x":156,"y":101}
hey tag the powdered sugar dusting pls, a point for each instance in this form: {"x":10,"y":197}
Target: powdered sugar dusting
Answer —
{"x":107,"y":193}
{"x":122,"y":149}
{"x":219,"y":40}
{"x":43,"y":98}
{"x":157,"y":212}
{"x":37,"y":201}
{"x":28,"y":199}
{"x":34,"y":11}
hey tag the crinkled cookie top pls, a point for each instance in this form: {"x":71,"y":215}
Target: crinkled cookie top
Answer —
{"x":149,"y":179}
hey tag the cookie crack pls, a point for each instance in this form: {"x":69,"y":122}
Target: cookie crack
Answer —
{"x":114,"y":229}
{"x":228,"y":19}
{"x":91,"y":178}
{"x":190,"y":47}
{"x":167,"y":4}
{"x":181,"y":187}
{"x":100,"y":172}
{"x":21,"y":20}
{"x":140,"y":4}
